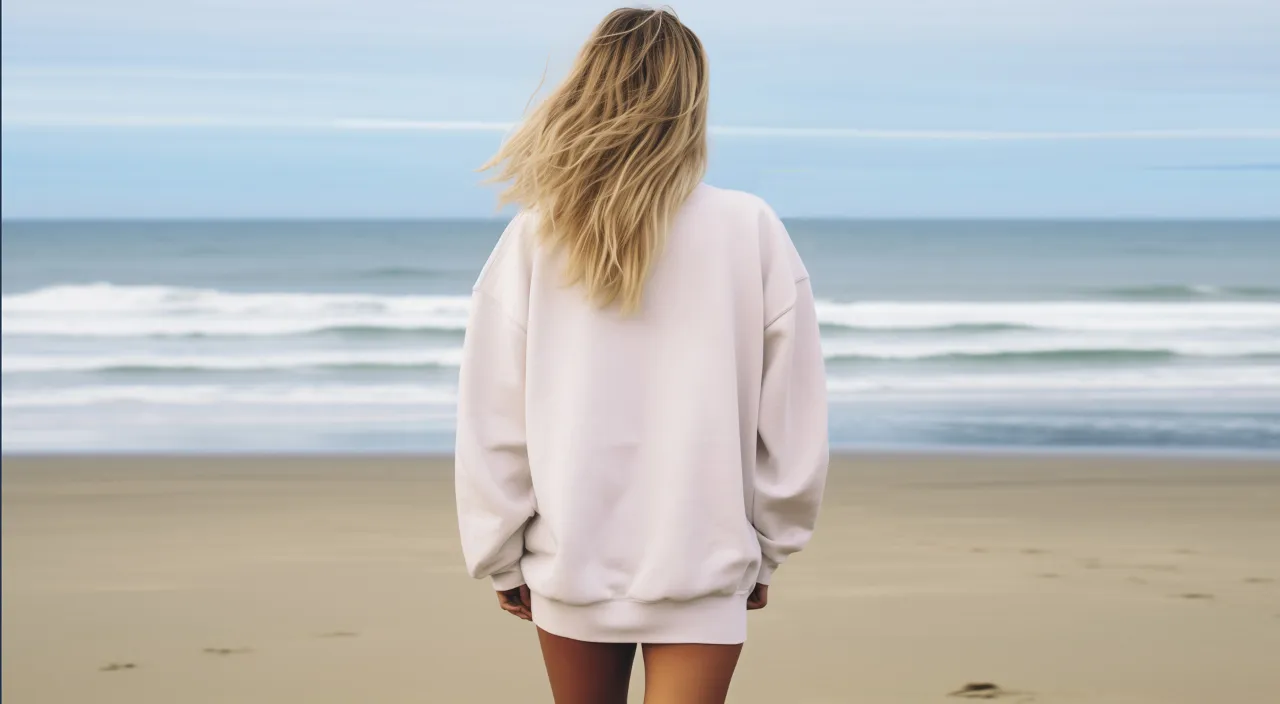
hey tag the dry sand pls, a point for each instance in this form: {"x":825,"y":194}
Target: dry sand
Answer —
{"x":338,"y":579}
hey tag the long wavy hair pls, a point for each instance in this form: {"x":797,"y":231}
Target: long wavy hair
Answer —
{"x":609,"y":156}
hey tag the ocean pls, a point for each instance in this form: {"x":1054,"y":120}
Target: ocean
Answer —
{"x":345,"y":336}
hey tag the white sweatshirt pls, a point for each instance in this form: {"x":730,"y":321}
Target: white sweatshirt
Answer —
{"x":643,"y":472}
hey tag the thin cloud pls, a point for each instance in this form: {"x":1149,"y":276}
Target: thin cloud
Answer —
{"x":72,"y":121}
{"x":247,"y":123}
{"x":1257,"y":166}
{"x":995,"y":135}
{"x":384,"y":125}
{"x":162,"y":74}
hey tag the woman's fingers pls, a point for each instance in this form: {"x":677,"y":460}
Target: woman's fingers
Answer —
{"x":759,"y":597}
{"x":526,"y":599}
{"x":516,"y":602}
{"x":519,"y":612}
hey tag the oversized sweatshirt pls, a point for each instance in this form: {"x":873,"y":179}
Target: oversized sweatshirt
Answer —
{"x":641,"y":472}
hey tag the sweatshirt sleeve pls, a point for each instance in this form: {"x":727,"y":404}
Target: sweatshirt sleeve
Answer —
{"x":493,"y":486}
{"x":792,"y":448}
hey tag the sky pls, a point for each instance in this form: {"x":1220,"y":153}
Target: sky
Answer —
{"x":826,"y":108}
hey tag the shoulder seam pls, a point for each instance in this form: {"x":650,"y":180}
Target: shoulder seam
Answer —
{"x":779,"y":316}
{"x":786,"y":310}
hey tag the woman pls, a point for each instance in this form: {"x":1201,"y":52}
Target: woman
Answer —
{"x":642,"y":423}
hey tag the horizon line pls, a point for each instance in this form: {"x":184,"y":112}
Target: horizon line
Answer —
{"x":313,"y":219}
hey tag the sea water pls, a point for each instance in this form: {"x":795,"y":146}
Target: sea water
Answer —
{"x":346,"y":336}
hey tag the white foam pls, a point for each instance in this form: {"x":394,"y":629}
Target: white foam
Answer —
{"x":208,"y":394}
{"x":452,"y":356}
{"x":1053,"y":315}
{"x":1046,"y":342}
{"x":1259,"y":381}
{"x":444,"y":357}
{"x":1254,"y":379}
{"x":108,"y":310}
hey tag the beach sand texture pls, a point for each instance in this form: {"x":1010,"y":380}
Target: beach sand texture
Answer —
{"x":339,"y":579}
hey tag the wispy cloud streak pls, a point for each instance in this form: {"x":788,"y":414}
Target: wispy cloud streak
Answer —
{"x":75,"y":121}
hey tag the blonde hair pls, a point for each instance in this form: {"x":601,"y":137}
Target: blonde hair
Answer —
{"x":611,"y":154}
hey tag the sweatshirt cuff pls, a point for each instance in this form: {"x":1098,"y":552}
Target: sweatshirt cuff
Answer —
{"x":507,"y":579}
{"x":766,"y":571}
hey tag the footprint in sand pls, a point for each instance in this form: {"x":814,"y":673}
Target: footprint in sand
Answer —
{"x":1093,"y":563}
{"x":1048,"y":575}
{"x":116,"y":666}
{"x":1196,"y":596}
{"x":1258,"y":580}
{"x":1034,"y":551}
{"x":989,"y":690}
{"x":338,"y":634}
{"x":227,"y":651}
{"x":978,"y":550}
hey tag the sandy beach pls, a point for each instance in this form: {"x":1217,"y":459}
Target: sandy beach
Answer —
{"x":338,"y":579}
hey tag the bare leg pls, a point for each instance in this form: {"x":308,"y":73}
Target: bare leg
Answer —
{"x":688,"y":673}
{"x":587,"y":673}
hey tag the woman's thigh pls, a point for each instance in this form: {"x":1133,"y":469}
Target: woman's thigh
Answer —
{"x":587,"y":673}
{"x":688,"y":673}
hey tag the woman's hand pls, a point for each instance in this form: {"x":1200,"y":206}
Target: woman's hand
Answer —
{"x":759,"y":597}
{"x":516,"y":602}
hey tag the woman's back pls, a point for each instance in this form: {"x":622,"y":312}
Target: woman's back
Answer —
{"x":642,"y":419}
{"x":674,"y":454}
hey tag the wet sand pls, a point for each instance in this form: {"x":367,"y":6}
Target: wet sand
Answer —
{"x":338,"y":579}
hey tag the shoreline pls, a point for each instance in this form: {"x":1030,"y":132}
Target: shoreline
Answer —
{"x":1262,"y":455}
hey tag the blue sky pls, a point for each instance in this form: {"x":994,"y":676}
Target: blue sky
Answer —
{"x":891,"y":108}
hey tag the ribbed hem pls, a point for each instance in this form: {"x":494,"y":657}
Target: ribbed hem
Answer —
{"x":713,"y":619}
{"x":507,"y":579}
